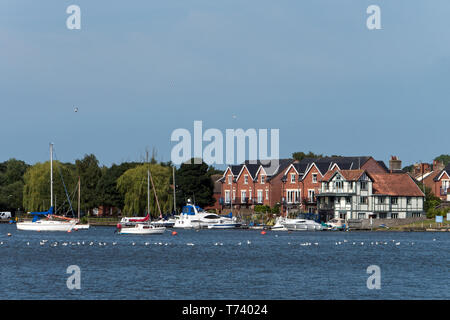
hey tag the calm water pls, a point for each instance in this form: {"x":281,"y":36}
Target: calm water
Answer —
{"x":271,"y":266}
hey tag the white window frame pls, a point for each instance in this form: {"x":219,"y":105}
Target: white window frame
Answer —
{"x":314,"y":177}
{"x":260,"y":197}
{"x":227,"y":196}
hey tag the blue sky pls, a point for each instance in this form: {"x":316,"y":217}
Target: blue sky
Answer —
{"x":138,"y":70}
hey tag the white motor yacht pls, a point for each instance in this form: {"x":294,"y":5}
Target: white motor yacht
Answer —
{"x":193,"y":217}
{"x":299,"y":225}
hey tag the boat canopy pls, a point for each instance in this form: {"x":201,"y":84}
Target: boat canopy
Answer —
{"x":230,"y":215}
{"x":141,"y":220}
{"x":189,"y":210}
{"x":37,"y":215}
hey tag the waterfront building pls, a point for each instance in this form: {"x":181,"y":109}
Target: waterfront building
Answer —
{"x":437,"y":179}
{"x":301,"y":180}
{"x":250,"y":184}
{"x":360,"y":194}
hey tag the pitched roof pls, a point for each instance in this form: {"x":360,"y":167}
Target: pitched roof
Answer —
{"x":349,"y":175}
{"x":439,"y":175}
{"x":395,"y":184}
{"x":383,"y":165}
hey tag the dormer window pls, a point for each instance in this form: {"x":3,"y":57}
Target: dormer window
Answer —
{"x":263,"y":179}
{"x":230,"y":179}
{"x":246,"y":179}
{"x":314,"y":177}
{"x":292,"y":177}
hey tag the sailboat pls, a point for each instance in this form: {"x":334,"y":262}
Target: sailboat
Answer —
{"x":168,"y":223}
{"x":143,"y":226}
{"x":49,"y":224}
{"x":80,"y":226}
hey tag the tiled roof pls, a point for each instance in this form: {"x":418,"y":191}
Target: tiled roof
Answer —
{"x":349,"y":175}
{"x":398,"y":184}
{"x":383,"y":165}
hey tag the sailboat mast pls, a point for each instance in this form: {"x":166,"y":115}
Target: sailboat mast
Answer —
{"x":148,"y":191}
{"x":174,"y":186}
{"x":51,"y":174}
{"x":154,"y":190}
{"x":79,"y":197}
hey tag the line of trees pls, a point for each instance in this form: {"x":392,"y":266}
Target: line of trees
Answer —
{"x":25,"y":187}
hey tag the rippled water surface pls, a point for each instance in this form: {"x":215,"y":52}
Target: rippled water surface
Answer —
{"x":223,"y":264}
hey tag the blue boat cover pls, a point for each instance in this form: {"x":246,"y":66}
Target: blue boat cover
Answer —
{"x":37,"y":215}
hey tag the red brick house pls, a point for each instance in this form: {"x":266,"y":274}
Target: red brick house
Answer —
{"x":250,"y":184}
{"x":438,"y":180}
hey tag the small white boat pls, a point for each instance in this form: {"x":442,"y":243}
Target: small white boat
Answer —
{"x":81,"y":226}
{"x":301,"y":225}
{"x":279,"y":226}
{"x":336,"y":224}
{"x":45,"y":225}
{"x":225,"y":224}
{"x":163,"y":223}
{"x":141,"y":228}
{"x":131,"y":221}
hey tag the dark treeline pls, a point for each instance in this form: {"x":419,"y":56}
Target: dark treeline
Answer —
{"x":120,"y":188}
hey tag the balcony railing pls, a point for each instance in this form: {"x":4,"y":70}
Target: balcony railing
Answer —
{"x":311,"y":199}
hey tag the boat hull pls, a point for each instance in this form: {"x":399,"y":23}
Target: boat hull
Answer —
{"x":142,"y":230}
{"x":224,"y":226}
{"x":81,"y":226}
{"x":45,"y":226}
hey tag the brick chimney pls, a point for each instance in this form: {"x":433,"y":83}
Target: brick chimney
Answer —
{"x":438,"y":165}
{"x":395,"y":164}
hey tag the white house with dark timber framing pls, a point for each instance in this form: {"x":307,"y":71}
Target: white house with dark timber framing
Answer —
{"x":357,"y":194}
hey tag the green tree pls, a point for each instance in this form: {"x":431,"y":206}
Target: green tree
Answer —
{"x":193,"y":181}
{"x":36,"y":191}
{"x":133,"y":185}
{"x":445,"y":158}
{"x":90,"y":173}
{"x":431,"y":201}
{"x":108,"y":193}
{"x":11,"y":184}
{"x":301,"y":155}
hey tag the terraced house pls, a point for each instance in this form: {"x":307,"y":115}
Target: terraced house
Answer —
{"x":250,"y":184}
{"x":359,"y":194}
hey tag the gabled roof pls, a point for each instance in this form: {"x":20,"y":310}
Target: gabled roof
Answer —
{"x":271,"y":169}
{"x":383,"y":165}
{"x":395,"y":184}
{"x":349,"y":175}
{"x":441,"y":173}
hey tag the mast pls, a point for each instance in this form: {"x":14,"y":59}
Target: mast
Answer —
{"x":174,"y":196}
{"x":51,"y":174}
{"x":154,"y":190}
{"x":79,"y":198}
{"x":148,"y":191}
